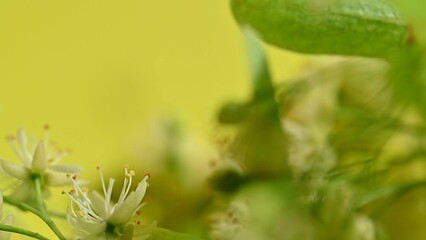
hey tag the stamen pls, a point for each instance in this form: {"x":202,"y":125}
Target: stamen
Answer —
{"x":18,"y":153}
{"x":60,"y":154}
{"x":126,"y":186}
{"x":82,"y":207}
{"x":85,"y":209}
{"x":46,"y":134}
{"x":102,"y":179}
{"x":22,"y":141}
{"x":108,"y":196}
{"x":10,"y":138}
{"x":78,"y":190}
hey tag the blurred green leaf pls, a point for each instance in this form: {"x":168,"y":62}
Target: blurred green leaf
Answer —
{"x":258,"y":120}
{"x":345,"y":27}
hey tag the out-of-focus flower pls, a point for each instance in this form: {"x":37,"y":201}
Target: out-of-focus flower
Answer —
{"x":38,"y":158}
{"x":364,"y":228}
{"x":7,"y":221}
{"x":225,"y":226}
{"x":94,"y":215}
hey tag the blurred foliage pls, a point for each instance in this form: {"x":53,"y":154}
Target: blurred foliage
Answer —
{"x":354,"y":134}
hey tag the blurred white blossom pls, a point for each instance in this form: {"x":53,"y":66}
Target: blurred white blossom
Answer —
{"x":38,"y":158}
{"x":226,"y":225}
{"x":364,"y":227}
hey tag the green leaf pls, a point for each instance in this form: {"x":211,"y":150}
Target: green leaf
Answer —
{"x":346,"y":27}
{"x":259,"y":120}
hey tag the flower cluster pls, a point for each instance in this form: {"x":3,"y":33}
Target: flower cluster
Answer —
{"x":94,"y":215}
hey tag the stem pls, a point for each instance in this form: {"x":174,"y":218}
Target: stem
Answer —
{"x":39,"y":198}
{"x":21,"y":205}
{"x":110,"y":232}
{"x":44,"y":214}
{"x":36,"y":212}
{"x":22,"y":231}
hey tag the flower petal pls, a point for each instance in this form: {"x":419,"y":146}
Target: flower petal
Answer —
{"x":141,"y":188}
{"x":22,"y":141}
{"x":39,"y":163}
{"x":14,"y":170}
{"x":86,"y":227}
{"x":65,"y":168}
{"x":56,"y":179}
{"x":124,"y":212}
{"x":24,"y":192}
{"x":8,"y":220}
{"x":98,"y":204}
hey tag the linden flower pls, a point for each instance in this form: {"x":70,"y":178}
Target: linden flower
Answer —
{"x":37,"y":159}
{"x":93,"y":214}
{"x":7,"y":221}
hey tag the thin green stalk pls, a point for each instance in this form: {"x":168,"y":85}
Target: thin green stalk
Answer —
{"x":36,"y":212}
{"x":43,"y":210}
{"x":21,"y":205}
{"x":22,"y":231}
{"x":39,"y":196}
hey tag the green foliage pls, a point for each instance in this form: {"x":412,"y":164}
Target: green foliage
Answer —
{"x":260,"y":112}
{"x":352,"y":130}
{"x":345,"y":27}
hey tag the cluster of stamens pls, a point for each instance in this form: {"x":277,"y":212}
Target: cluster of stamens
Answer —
{"x":79,"y":196}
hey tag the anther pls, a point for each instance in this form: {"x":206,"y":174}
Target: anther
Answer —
{"x":10,"y":138}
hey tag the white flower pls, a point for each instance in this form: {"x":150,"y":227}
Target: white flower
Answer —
{"x":93,"y":214}
{"x":7,"y":221}
{"x":364,"y":228}
{"x":37,"y":158}
{"x":227,"y":225}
